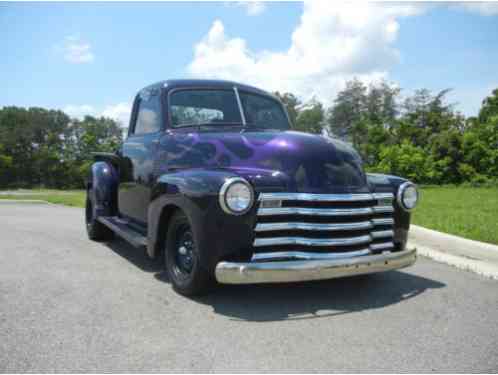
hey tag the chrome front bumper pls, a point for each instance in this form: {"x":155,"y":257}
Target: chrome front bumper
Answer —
{"x":306,"y":270}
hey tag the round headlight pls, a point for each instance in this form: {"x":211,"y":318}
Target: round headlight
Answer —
{"x":407,"y":196}
{"x":236,"y":196}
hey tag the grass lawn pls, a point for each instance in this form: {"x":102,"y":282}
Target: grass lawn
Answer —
{"x":467,"y":212}
{"x":75,"y":198}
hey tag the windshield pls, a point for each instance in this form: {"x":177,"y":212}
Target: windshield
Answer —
{"x":220,"y":107}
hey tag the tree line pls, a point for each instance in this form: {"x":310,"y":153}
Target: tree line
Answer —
{"x":420,"y":137}
{"x":46,"y":148}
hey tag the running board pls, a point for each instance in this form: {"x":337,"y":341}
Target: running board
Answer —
{"x":123,"y":230}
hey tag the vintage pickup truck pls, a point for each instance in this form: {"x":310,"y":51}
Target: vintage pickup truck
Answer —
{"x":212,"y":180}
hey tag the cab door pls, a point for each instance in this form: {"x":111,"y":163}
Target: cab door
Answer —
{"x":138,"y":153}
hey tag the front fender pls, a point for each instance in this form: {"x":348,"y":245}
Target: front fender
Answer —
{"x":195,"y":192}
{"x":388,"y":183}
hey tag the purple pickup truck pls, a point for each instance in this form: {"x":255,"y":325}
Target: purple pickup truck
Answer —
{"x":212,"y":180}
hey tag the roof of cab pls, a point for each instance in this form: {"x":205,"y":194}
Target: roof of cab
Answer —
{"x":211,"y":83}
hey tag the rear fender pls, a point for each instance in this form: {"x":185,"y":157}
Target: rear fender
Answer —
{"x":102,"y":188}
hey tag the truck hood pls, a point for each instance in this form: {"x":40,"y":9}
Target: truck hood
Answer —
{"x":271,"y":160}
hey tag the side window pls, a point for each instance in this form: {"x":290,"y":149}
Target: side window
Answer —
{"x":264,"y":111}
{"x":148,"y":115}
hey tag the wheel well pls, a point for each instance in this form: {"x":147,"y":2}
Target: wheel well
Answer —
{"x":166,"y":214}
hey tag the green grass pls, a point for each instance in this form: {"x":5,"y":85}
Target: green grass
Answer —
{"x":75,"y":198}
{"x":467,"y":212}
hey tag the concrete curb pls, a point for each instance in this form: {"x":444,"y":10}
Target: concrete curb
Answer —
{"x":480,"y":267}
{"x":475,"y":256}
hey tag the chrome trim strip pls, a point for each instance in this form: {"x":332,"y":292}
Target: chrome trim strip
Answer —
{"x":275,"y":241}
{"x":239,"y":103}
{"x":382,"y":234}
{"x":317,"y":197}
{"x":387,"y":221}
{"x":266,"y":227}
{"x":305,"y":270}
{"x":381,"y":246}
{"x":301,"y":255}
{"x":315,"y":211}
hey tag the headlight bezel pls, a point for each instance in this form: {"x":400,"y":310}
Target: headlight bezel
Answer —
{"x":222,"y":196}
{"x":401,"y":192}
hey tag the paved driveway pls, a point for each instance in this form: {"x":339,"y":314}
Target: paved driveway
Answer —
{"x":69,"y":304}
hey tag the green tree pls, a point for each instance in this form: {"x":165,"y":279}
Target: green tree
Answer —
{"x":90,"y":135}
{"x":292,"y":104}
{"x":408,"y":161}
{"x":480,"y":150}
{"x":40,"y":147}
{"x":381,"y":103}
{"x":348,"y":108}
{"x":489,"y":107}
{"x":34,"y":139}
{"x":311,"y":118}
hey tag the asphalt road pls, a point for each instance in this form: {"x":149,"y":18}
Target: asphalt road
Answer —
{"x":69,"y":304}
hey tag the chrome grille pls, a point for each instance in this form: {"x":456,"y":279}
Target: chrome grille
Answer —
{"x":306,"y":226}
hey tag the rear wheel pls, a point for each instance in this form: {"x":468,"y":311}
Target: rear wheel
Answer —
{"x":182,"y":258}
{"x":95,"y":229}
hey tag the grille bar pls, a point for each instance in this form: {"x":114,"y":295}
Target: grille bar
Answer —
{"x":383,"y":209}
{"x":386,"y":221}
{"x":361,"y":225}
{"x":268,"y":227}
{"x":324,"y":197}
{"x":304,"y":241}
{"x":381,"y":246}
{"x":315,"y":211}
{"x":324,"y":211}
{"x":382,"y":234}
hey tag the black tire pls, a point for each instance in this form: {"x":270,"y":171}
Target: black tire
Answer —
{"x":183,"y":267}
{"x":96,"y":230}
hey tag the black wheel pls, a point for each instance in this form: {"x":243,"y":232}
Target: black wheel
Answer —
{"x":96,"y":230}
{"x":182,"y":258}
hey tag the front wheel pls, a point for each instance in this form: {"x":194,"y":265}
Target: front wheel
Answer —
{"x":96,"y":230}
{"x":182,"y":258}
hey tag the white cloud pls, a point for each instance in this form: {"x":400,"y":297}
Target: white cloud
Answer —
{"x":76,"y":51}
{"x":482,"y":8}
{"x":331,"y":44}
{"x":80,"y":111}
{"x":253,"y":8}
{"x":119,"y":112}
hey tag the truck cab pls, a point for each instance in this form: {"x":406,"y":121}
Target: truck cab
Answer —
{"x":212,"y":180}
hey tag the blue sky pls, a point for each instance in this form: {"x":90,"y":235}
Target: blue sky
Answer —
{"x":93,"y":57}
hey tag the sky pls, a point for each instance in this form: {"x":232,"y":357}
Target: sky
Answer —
{"x":92,"y":58}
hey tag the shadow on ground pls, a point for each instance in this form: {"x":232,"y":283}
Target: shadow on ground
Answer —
{"x":133,"y":255}
{"x":274,"y":302}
